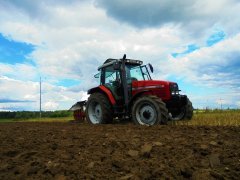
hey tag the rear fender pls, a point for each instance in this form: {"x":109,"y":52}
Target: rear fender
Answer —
{"x":104,"y":90}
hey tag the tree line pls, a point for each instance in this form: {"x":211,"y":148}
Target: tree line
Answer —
{"x":33,"y":114}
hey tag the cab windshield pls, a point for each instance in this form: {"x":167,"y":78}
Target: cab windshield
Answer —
{"x":137,"y":73}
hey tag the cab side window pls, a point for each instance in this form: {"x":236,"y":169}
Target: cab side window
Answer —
{"x":111,"y":76}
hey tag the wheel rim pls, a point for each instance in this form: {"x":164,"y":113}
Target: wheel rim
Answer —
{"x":95,"y":112}
{"x":146,"y":114}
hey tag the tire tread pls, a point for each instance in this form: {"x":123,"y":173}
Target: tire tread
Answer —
{"x":107,"y":111}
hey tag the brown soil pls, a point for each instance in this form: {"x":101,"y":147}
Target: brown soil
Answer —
{"x":81,"y":151}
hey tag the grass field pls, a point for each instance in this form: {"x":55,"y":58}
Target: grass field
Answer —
{"x":213,"y":118}
{"x":200,"y":118}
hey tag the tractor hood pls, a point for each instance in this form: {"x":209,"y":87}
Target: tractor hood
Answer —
{"x":151,"y":84}
{"x":158,"y":88}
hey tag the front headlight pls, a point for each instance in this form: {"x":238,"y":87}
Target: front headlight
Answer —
{"x":174,"y":89}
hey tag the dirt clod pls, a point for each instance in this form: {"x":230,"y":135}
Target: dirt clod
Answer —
{"x":127,"y":177}
{"x":157,"y":143}
{"x":146,"y":150}
{"x":216,"y":175}
{"x":60,"y":177}
{"x":133,"y":153}
{"x":213,"y":143}
{"x":214,"y":160}
{"x":91,"y":165}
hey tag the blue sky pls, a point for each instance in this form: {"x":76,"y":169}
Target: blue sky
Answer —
{"x":64,"y":42}
{"x":13,"y":52}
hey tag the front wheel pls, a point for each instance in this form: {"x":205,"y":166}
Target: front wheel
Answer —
{"x":185,"y":113}
{"x":98,"y":109}
{"x":149,"y":110}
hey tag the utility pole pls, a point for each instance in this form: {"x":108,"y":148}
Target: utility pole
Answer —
{"x":40,"y":97}
{"x":207,"y":105}
{"x":221,"y":102}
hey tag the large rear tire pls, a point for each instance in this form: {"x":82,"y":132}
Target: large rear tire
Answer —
{"x":149,"y":110}
{"x":98,"y":109}
{"x":185,"y":113}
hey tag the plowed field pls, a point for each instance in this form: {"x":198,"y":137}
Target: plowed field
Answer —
{"x":81,"y":151}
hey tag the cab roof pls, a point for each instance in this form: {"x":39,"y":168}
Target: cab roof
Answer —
{"x":110,"y":61}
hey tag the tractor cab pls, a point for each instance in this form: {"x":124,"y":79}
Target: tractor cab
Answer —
{"x":112,"y":76}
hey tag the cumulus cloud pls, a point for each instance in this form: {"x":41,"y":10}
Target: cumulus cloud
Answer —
{"x":216,"y":66}
{"x":148,"y":13}
{"x":36,"y":9}
{"x":194,"y":16}
{"x":19,"y":71}
{"x":50,"y":105}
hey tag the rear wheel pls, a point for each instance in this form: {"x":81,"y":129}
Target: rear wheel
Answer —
{"x":149,"y":110}
{"x":98,"y":109}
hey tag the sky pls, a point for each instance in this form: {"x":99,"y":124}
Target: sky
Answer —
{"x":193,"y":43}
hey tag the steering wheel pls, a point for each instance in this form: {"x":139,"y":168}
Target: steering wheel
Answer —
{"x":116,"y":83}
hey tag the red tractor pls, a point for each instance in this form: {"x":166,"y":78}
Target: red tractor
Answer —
{"x":127,"y":90}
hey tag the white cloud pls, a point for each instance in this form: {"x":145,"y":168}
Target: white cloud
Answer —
{"x":50,"y":105}
{"x":217,"y":65}
{"x":196,"y":17}
{"x":238,"y":104}
{"x":19,"y":71}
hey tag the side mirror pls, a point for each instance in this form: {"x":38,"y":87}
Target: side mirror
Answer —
{"x":97,"y":75}
{"x":151,"y":67}
{"x":116,"y":66}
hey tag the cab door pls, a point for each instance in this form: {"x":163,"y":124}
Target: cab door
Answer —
{"x":111,"y":80}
